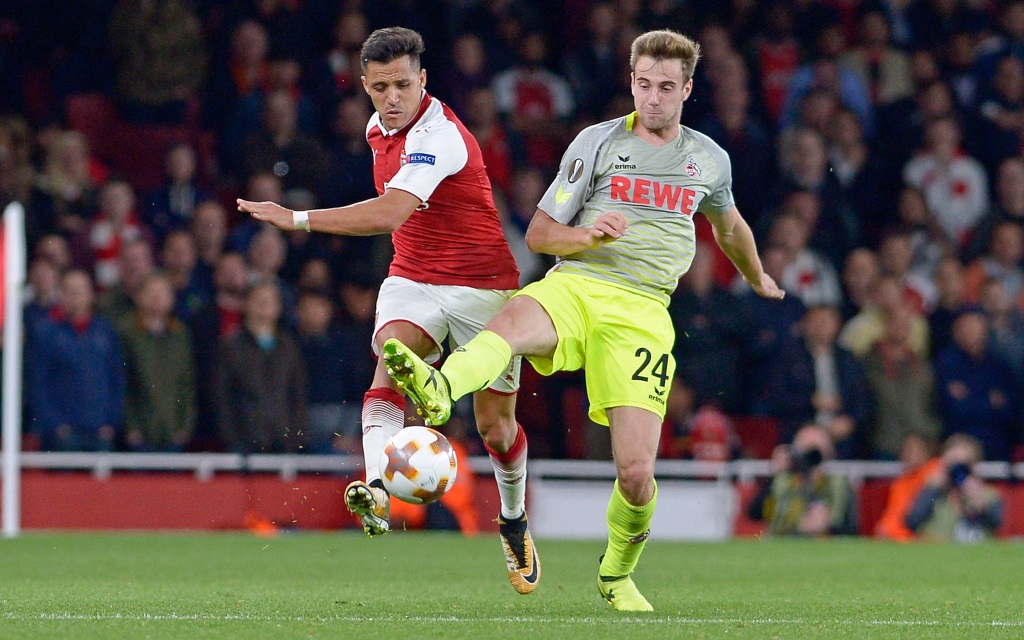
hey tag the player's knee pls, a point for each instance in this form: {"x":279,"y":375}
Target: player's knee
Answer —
{"x":636,"y":481}
{"x":498,"y":434}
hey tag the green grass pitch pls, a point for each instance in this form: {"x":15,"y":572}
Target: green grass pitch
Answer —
{"x":420,"y":585}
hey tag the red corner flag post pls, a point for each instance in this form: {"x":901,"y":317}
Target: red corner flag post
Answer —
{"x":12,"y":263}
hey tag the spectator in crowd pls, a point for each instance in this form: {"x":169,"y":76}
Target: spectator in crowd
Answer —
{"x":1007,"y":40}
{"x":916,"y":453}
{"x":98,"y":246}
{"x":748,"y":143}
{"x":209,"y":229}
{"x":949,"y":282}
{"x":74,"y":376}
{"x":959,"y":60}
{"x":861,"y":332}
{"x":712,"y":327}
{"x":903,"y":387}
{"x":1008,"y":207}
{"x":895,"y":255}
{"x":928,"y":244}
{"x":42,"y":292}
{"x":776,"y":55}
{"x":332,"y":425}
{"x":814,"y":381}
{"x":806,"y":275}
{"x":882,"y":67}
{"x":65,"y":197}
{"x":467,"y":71}
{"x":860,"y":276}
{"x":172,"y":206}
{"x":17,"y":173}
{"x":866,"y":181}
{"x":262,"y":186}
{"x":770,"y":326}
{"x":133,"y":265}
{"x":250,"y":113}
{"x":977,"y":395}
{"x":803,"y":499}
{"x":355,"y":322}
{"x":192,"y":291}
{"x":160,"y":401}
{"x":56,"y":249}
{"x":282,"y":149}
{"x":955,"y":503}
{"x":337,"y":73}
{"x":843,"y":85}
{"x":261,"y":389}
{"x":244,"y":71}
{"x":1002,"y":114}
{"x":161,"y":58}
{"x":1007,"y":333}
{"x":535,"y":102}
{"x":502,"y":149}
{"x":593,"y":68}
{"x":351,"y":167}
{"x":215,"y":322}
{"x":832,"y":225}
{"x":266,"y":258}
{"x":954,"y":184}
{"x":1002,"y":262}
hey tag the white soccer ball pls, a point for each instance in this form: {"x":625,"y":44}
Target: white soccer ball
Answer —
{"x":418,"y":465}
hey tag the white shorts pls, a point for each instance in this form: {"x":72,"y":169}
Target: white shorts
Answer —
{"x":443,"y":311}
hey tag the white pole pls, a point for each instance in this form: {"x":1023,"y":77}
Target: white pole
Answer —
{"x":13,"y":281}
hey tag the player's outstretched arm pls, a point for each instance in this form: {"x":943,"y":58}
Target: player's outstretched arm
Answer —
{"x":737,"y":241}
{"x":367,"y":218}
{"x":547,"y":235}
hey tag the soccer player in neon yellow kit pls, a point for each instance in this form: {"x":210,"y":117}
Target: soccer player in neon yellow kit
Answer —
{"x":619,"y":216}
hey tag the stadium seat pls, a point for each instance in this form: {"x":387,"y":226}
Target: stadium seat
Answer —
{"x":758,"y":435}
{"x":94,"y":115}
{"x":138,"y":152}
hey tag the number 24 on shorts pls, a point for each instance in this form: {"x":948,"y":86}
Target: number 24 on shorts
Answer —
{"x":659,"y":370}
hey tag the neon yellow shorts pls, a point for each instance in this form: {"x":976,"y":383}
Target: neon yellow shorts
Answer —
{"x":622,"y":338}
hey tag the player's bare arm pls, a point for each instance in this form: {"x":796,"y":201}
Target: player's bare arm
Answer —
{"x":737,"y":241}
{"x":370,"y":217}
{"x":546,"y":235}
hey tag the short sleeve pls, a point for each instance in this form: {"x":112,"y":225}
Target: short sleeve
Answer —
{"x":431,"y":155}
{"x":574,"y":183}
{"x":720,"y":199}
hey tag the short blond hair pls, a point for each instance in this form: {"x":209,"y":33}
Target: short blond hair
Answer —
{"x":666,"y":45}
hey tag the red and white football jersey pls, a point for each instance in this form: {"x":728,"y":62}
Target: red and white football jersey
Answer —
{"x":455,"y":237}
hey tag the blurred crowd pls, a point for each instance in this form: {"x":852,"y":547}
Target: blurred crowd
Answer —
{"x":876,"y":150}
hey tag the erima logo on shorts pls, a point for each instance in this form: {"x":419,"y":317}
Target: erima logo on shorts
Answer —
{"x":420,"y":158}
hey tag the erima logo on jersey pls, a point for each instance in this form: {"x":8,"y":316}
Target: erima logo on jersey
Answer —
{"x":420,"y":158}
{"x":654,"y":193}
{"x":624,"y":160}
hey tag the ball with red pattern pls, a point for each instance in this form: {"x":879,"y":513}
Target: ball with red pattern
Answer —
{"x":418,"y":465}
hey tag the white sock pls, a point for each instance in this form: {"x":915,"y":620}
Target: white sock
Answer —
{"x":510,"y":472}
{"x":383,"y":417}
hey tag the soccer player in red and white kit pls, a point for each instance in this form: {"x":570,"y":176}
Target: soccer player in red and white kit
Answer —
{"x":451,"y":273}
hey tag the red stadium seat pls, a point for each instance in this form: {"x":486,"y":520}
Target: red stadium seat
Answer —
{"x":94,"y":115}
{"x":758,"y":435}
{"x":138,"y":152}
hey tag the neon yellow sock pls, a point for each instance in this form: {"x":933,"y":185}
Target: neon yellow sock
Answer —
{"x":628,"y":528}
{"x":477,"y":364}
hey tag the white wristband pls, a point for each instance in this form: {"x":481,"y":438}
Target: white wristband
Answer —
{"x":301,"y":220}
